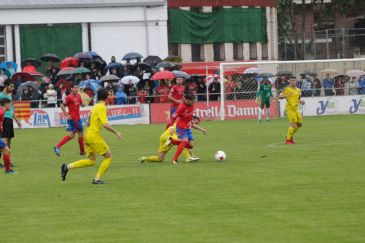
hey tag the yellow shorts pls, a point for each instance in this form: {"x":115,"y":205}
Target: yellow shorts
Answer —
{"x":95,"y":145}
{"x":294,"y":116}
{"x":163,"y":139}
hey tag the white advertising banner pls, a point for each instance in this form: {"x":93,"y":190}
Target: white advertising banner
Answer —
{"x":117,"y":115}
{"x":331,"y":105}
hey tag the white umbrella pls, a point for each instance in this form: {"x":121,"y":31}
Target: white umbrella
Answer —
{"x":355,"y":73}
{"x":126,"y":79}
{"x":253,"y":70}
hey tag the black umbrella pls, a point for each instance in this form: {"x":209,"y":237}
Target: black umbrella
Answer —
{"x":50,"y":57}
{"x":284,"y":73}
{"x":143,"y":65}
{"x":115,"y":65}
{"x":131,"y":56}
{"x":152,"y":60}
{"x":83,"y":55}
{"x":32,"y":61}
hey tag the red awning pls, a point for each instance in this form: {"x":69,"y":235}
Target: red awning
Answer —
{"x":201,"y":68}
{"x":221,"y":3}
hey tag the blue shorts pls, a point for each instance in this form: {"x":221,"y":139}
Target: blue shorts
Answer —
{"x":172,"y":110}
{"x":73,"y":126}
{"x":184,"y":133}
{"x":2,"y":144}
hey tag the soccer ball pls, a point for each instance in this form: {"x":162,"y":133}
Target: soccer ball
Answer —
{"x":220,"y":156}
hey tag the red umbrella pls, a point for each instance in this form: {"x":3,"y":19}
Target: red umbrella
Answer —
{"x":163,"y":75}
{"x":29,"y":69}
{"x":23,"y":76}
{"x":69,"y":62}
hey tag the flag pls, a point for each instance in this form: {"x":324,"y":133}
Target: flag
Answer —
{"x":22,"y":110}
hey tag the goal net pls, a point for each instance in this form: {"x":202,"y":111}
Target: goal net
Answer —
{"x":239,"y":82}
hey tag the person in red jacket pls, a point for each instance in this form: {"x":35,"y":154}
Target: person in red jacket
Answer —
{"x":176,"y":95}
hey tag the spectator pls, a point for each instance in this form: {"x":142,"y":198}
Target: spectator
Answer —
{"x":317,"y":86}
{"x":86,"y":100}
{"x":230,"y":86}
{"x":51,"y":71}
{"x":3,"y":74}
{"x":111,"y":98}
{"x":202,"y":90}
{"x":162,"y":92}
{"x":362,"y":85}
{"x":110,"y":86}
{"x":131,"y":92}
{"x":353,"y":86}
{"x":26,"y":95}
{"x":112,"y":60}
{"x":306,"y":87}
{"x":142,"y":94}
{"x":120,"y":95}
{"x":51,"y":96}
{"x":340,"y":85}
{"x":90,"y":93}
{"x":214,"y":89}
{"x":328,"y":85}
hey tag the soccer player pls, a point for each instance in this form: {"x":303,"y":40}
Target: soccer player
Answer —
{"x":94,"y":142}
{"x":170,"y":138}
{"x":183,"y":117}
{"x":6,"y":105}
{"x":176,"y":95}
{"x":292,"y":95}
{"x":74,"y":125}
{"x":264,"y":96}
{"x":7,"y":132}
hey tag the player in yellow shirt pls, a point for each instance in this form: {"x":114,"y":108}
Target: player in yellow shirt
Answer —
{"x":168,"y":139}
{"x":94,"y":142}
{"x":292,"y":95}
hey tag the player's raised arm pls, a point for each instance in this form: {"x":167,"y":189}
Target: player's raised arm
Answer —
{"x":63,"y":108}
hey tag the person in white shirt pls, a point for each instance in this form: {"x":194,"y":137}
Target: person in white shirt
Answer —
{"x":51,"y":95}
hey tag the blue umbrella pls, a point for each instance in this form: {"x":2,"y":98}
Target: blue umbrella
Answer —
{"x":131,"y":56}
{"x":13,"y":65}
{"x":94,"y":84}
{"x":7,"y":72}
{"x":93,"y":54}
{"x":83,"y":55}
{"x":115,"y":65}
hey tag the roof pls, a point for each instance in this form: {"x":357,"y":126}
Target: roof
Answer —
{"x":29,"y":4}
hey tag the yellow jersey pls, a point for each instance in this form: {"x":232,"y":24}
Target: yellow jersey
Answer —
{"x":292,"y":101}
{"x":97,"y":117}
{"x":170,"y":132}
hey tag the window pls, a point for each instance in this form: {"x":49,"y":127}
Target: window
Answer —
{"x":265,"y":53}
{"x":219,"y":52}
{"x":2,"y":44}
{"x":237,"y":51}
{"x":197,"y":52}
{"x":253,"y":51}
{"x":174,"y":50}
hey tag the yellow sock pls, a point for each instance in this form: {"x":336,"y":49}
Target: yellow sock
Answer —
{"x":103,"y":167}
{"x":152,"y":159}
{"x":295,"y":130}
{"x":81,"y":163}
{"x":186,"y":153}
{"x":290,"y":133}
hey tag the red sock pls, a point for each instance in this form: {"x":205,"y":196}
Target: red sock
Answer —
{"x":6,"y":158}
{"x":181,"y":147}
{"x":63,"y":141}
{"x":81,"y":143}
{"x":175,"y":142}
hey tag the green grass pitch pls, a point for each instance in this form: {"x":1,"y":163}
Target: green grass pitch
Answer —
{"x":265,"y":191}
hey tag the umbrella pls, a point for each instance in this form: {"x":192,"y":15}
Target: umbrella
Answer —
{"x":36,"y":74}
{"x":165,"y":65}
{"x":93,"y":54}
{"x":355,"y":73}
{"x":25,"y":85}
{"x":115,"y":65}
{"x":143,"y":65}
{"x":69,"y":62}
{"x":132,"y":55}
{"x":66,"y":71}
{"x":345,"y":78}
{"x":9,"y":65}
{"x":22,"y":76}
{"x":109,"y":77}
{"x":7,"y":72}
{"x":29,"y":69}
{"x":284,"y":73}
{"x":152,"y":60}
{"x":93,"y":84}
{"x":46,"y":80}
{"x":126,"y":79}
{"x":50,"y":57}
{"x":331,"y":72}
{"x":32,"y":61}
{"x":163,"y":75}
{"x":253,"y":70}
{"x":181,"y":74}
{"x":83,"y":55}
{"x":81,"y":70}
{"x":265,"y":75}
{"x":308,"y":73}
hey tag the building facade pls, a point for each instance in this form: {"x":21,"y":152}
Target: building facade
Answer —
{"x":223,"y":30}
{"x":30,"y":28}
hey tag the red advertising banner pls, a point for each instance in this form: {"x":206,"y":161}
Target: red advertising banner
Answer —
{"x":234,"y":110}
